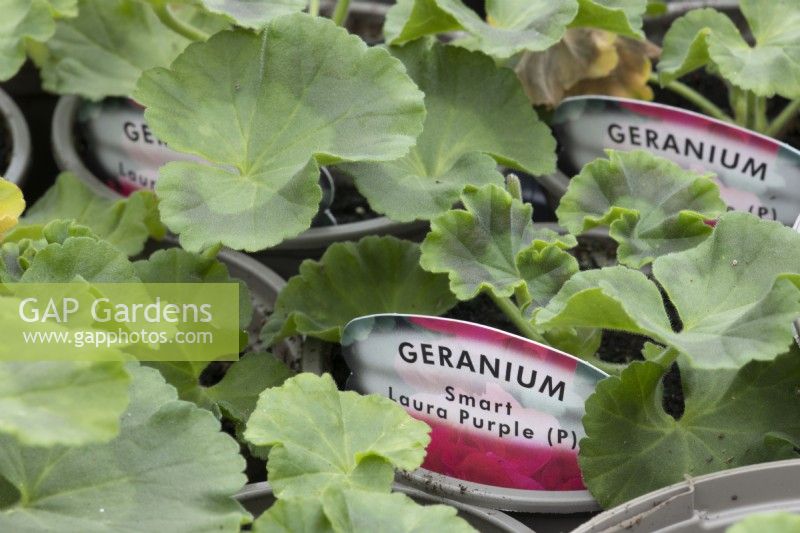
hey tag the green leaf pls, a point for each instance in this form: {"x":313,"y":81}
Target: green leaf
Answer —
{"x":353,"y":511}
{"x":773,"y":522}
{"x":623,"y":17}
{"x":469,"y":128}
{"x":236,"y":394}
{"x":127,"y":223}
{"x":266,"y":129}
{"x":21,"y":245}
{"x":80,"y":258}
{"x":11,"y":205}
{"x":409,"y":20}
{"x":736,"y":295}
{"x":728,"y":415}
{"x":22,"y":19}
{"x":322,"y":437}
{"x":544,"y":269}
{"x":479,"y":247}
{"x":69,"y":403}
{"x":254,"y":13}
{"x":511,"y":26}
{"x":652,"y":206}
{"x":358,"y":510}
{"x":81,"y":60}
{"x":374,"y":275}
{"x":175,"y":265}
{"x":707,"y":37}
{"x":169,"y":465}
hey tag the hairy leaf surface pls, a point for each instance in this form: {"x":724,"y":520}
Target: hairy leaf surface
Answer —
{"x":479,"y":247}
{"x":652,"y":206}
{"x":254,"y":13}
{"x":469,"y":128}
{"x":736,"y":295}
{"x":374,"y":275}
{"x":46,"y":403}
{"x":322,"y":437}
{"x":318,"y":96}
{"x":170,"y":464}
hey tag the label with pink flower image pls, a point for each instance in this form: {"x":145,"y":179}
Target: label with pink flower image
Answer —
{"x":755,"y":173}
{"x":504,"y":411}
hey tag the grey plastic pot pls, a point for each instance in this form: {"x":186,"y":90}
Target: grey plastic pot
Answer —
{"x":20,"y":137}
{"x":284,"y":259}
{"x":709,"y":503}
{"x":258,"y":497}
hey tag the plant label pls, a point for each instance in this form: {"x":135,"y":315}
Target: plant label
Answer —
{"x":504,"y":411}
{"x":125,"y":153}
{"x":755,"y":173}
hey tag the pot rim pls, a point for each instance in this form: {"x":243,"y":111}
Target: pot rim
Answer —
{"x":496,"y":518}
{"x":20,"y":140}
{"x":505,"y":499}
{"x":756,"y":488}
{"x":68,"y":159}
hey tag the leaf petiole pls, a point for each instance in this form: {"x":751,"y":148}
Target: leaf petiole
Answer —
{"x":313,"y":8}
{"x":700,"y":101}
{"x":168,"y":18}
{"x":340,"y":12}
{"x":782,"y":121}
{"x":509,"y":308}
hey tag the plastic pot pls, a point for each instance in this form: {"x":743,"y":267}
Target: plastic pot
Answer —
{"x":258,"y":497}
{"x":709,"y":503}
{"x":284,"y":258}
{"x":14,"y":126}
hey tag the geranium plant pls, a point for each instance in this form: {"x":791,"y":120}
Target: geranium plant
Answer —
{"x":754,"y":73}
{"x":717,"y":309}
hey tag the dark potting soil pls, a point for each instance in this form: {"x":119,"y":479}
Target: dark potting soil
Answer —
{"x":349,"y":206}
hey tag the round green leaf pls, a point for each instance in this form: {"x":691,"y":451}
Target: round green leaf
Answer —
{"x":652,"y":206}
{"x":265,"y":110}
{"x":322,"y":437}
{"x":408,"y":20}
{"x":169,"y":469}
{"x":706,"y":36}
{"x":478,"y":246}
{"x":81,"y":59}
{"x":70,"y":403}
{"x":374,"y":275}
{"x":468,"y":129}
{"x":727,"y":421}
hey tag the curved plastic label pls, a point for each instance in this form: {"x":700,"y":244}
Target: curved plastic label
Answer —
{"x":505,"y":411}
{"x":756,"y":173}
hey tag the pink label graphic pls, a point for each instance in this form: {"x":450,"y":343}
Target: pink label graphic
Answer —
{"x":755,"y":173}
{"x":505,"y":411}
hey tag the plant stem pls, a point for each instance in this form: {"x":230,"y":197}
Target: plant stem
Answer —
{"x":777,"y":127}
{"x":212,"y":251}
{"x":700,"y":101}
{"x":313,"y":8}
{"x":168,"y":18}
{"x":340,"y":12}
{"x":514,"y":187}
{"x":666,"y":357}
{"x":509,"y":308}
{"x":759,"y":111}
